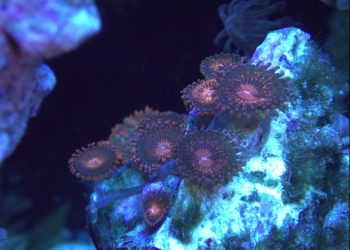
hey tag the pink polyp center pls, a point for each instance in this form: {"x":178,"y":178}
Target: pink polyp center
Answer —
{"x":94,"y":163}
{"x":247,"y":92}
{"x":164,"y":148}
{"x":208,"y":95}
{"x":152,"y":210}
{"x":204,"y":161}
{"x":95,"y":158}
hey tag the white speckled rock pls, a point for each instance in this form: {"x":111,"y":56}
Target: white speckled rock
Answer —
{"x":281,"y":47}
{"x":236,"y":216}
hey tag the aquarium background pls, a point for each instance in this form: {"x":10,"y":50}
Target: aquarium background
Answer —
{"x":145,"y":54}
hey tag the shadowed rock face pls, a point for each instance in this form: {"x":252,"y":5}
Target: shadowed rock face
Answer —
{"x":341,"y":4}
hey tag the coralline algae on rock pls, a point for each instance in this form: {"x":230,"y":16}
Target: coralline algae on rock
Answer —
{"x":3,"y":239}
{"x":29,"y":32}
{"x":250,"y":211}
{"x":46,"y":29}
{"x":248,"y":207}
{"x":290,"y":189}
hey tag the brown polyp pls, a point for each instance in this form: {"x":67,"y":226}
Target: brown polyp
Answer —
{"x":134,"y":120}
{"x":206,"y":158}
{"x":155,"y":146}
{"x":155,"y":206}
{"x":211,"y":64}
{"x":249,"y":89}
{"x":168,"y":118}
{"x":200,"y":95}
{"x":94,"y":162}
